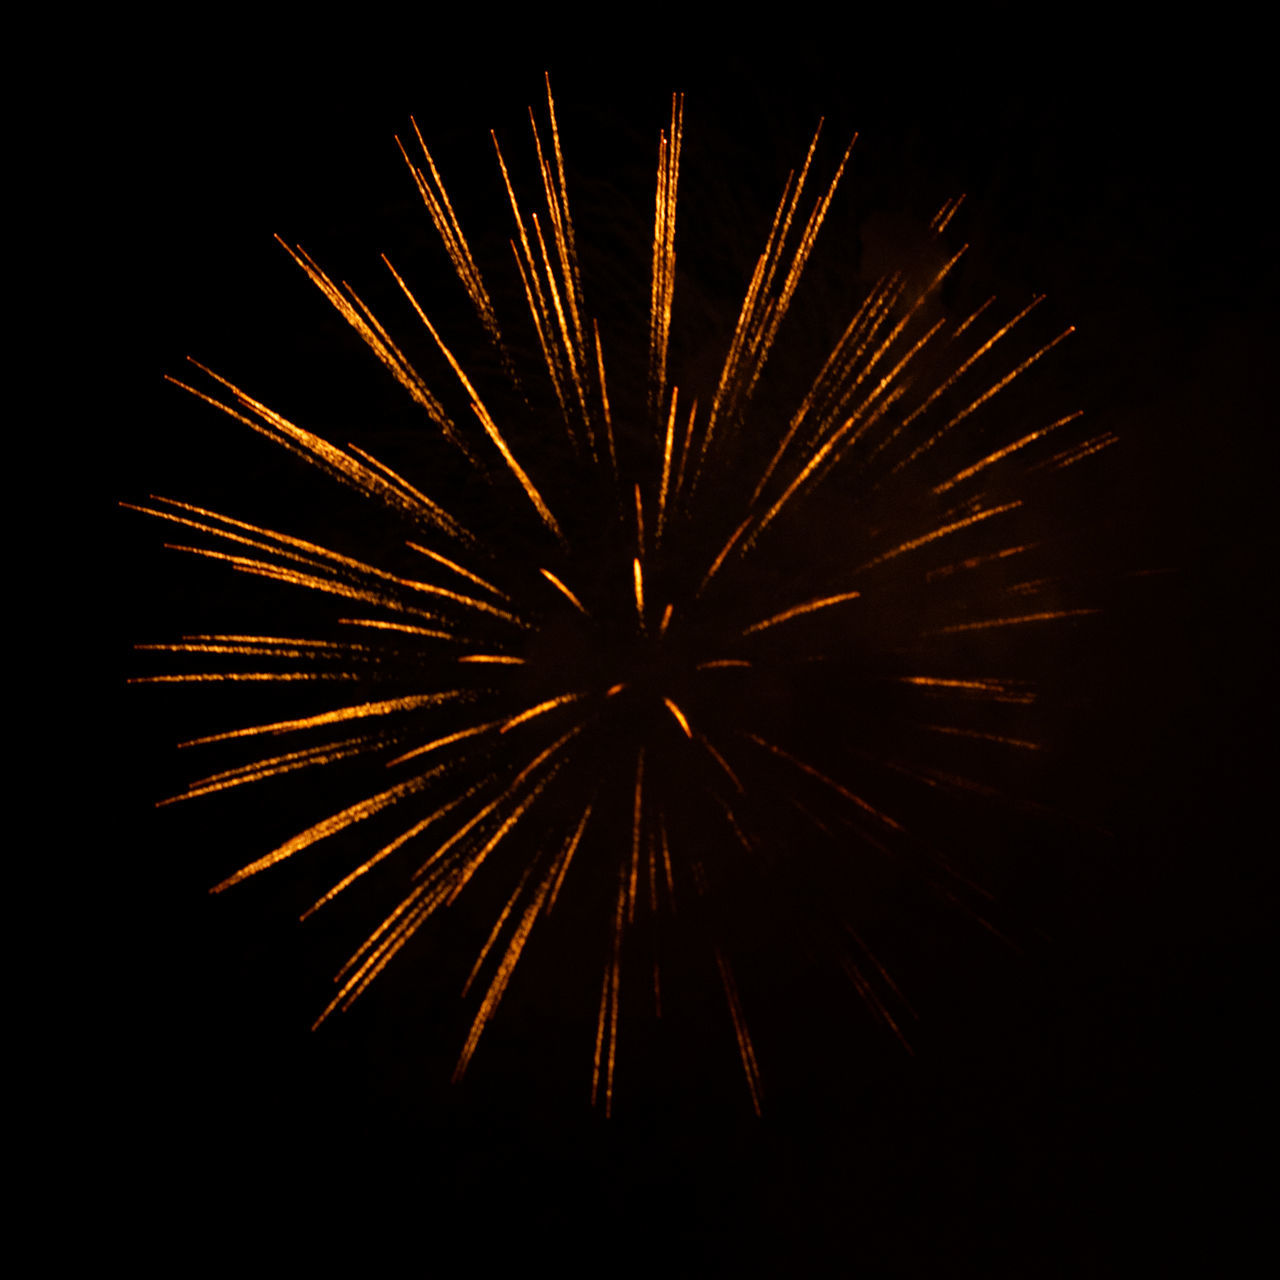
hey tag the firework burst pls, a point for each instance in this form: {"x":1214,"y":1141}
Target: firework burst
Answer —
{"x":689,"y":656}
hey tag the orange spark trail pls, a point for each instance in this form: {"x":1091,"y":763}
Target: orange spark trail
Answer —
{"x":357,"y":812}
{"x":973,"y":562}
{"x":946,"y":213}
{"x":666,"y":465}
{"x":567,"y":857}
{"x":375,"y":337}
{"x":559,"y":586}
{"x":541,"y":709}
{"x":445,"y":741}
{"x":1012,"y":622}
{"x":328,"y":457}
{"x":469,"y":826}
{"x":396,"y":479}
{"x":204,"y":677}
{"x":357,"y":712}
{"x":537,"y":305}
{"x":948,"y":382}
{"x":780,"y":304}
{"x":834,"y":364}
{"x":723,"y":763}
{"x":606,"y":1053}
{"x":450,"y":232}
{"x":498,"y":986}
{"x":983,"y":737}
{"x":352,"y":989}
{"x":981,"y":400}
{"x":745,"y":1048}
{"x":561,"y":223}
{"x":942,"y":532}
{"x":1004,"y":453}
{"x":276,"y":765}
{"x":860,"y":420}
{"x":497,"y":927}
{"x":808,"y":607}
{"x":264,"y":569}
{"x":822,"y":777}
{"x":666,"y":862}
{"x":560,"y":211}
{"x":635,"y":839}
{"x":398,"y":843}
{"x":224,"y":643}
{"x":763,"y":309}
{"x":377,"y":624}
{"x":566,"y":340}
{"x":653,"y":877}
{"x":679,"y":715}
{"x":457,"y":568}
{"x":639,"y":521}
{"x":310,"y":554}
{"x":424,"y":900}
{"x":311,"y":559}
{"x":604,"y":400}
{"x":684,"y":447}
{"x":724,"y":551}
{"x":664,"y":251}
{"x":1000,"y":690}
{"x":477,"y":405}
{"x":267,"y":647}
{"x":1068,"y":457}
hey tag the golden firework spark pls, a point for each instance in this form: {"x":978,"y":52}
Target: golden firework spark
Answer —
{"x":511,"y":785}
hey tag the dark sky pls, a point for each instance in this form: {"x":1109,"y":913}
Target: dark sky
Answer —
{"x":1069,"y":1108}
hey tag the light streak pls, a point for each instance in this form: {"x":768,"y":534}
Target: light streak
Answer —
{"x":559,"y":586}
{"x":679,"y":715}
{"x":541,"y":709}
{"x":436,"y":199}
{"x":745,"y":1048}
{"x":358,"y":812}
{"x":984,"y":737}
{"x":664,"y":250}
{"x":477,"y":405}
{"x":796,"y":611}
{"x":1051,"y":615}
{"x":447,"y":741}
{"x":341,"y":715}
{"x":932,"y":536}
{"x":274,"y":766}
{"x":457,"y":568}
{"x":1001,"y":454}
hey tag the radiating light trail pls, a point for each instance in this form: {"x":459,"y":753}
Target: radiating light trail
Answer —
{"x":559,"y":586}
{"x":1051,"y":615}
{"x":679,"y":715}
{"x":796,"y":611}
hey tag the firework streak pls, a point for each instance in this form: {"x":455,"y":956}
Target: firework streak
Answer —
{"x":588,"y":690}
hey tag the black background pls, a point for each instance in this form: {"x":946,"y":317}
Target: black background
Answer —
{"x":1079,"y":1109}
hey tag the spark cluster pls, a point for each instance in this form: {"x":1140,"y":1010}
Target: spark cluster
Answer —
{"x":679,"y":640}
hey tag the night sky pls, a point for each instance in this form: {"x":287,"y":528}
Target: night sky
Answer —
{"x":1073,"y":1106}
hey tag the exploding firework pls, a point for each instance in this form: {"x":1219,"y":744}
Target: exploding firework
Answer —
{"x":690,"y":653}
